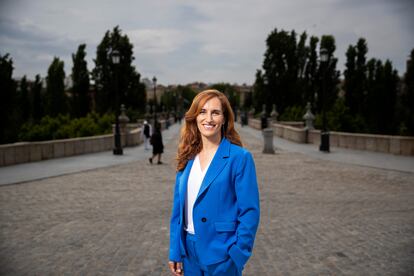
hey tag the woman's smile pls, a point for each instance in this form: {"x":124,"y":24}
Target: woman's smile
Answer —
{"x":209,"y":126}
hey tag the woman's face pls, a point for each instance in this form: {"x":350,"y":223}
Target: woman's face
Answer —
{"x":210,"y":119}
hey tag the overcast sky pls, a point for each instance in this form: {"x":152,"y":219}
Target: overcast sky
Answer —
{"x":184,"y":41}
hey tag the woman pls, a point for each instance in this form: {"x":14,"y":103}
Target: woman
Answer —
{"x":157,"y":145}
{"x":216,"y":212}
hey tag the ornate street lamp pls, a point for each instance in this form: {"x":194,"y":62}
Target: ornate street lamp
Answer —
{"x":154,"y":80}
{"x":115,"y":56}
{"x":324,"y":146}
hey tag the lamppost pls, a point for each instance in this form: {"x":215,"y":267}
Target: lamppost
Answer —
{"x":115,"y":61}
{"x":324,"y":146}
{"x":154,"y":80}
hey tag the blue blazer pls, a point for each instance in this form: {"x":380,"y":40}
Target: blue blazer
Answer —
{"x":226,"y":212}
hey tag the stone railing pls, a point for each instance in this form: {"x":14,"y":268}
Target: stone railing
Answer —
{"x":24,"y":152}
{"x":401,"y":145}
{"x":290,"y":133}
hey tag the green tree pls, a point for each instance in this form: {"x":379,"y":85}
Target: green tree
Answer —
{"x":279,"y":66}
{"x":184,"y":96}
{"x":136,"y":96}
{"x":311,"y":69}
{"x":56,"y":102}
{"x":80,"y":90}
{"x":230,"y":91}
{"x":37,"y":102}
{"x":355,"y":76}
{"x":291,"y":71}
{"x":121,"y":78}
{"x":328,"y":75}
{"x":24,"y":100}
{"x":259,"y":96}
{"x":8,"y":129}
{"x":350,"y":85}
{"x":168,"y":100}
{"x":407,"y":99}
{"x":384,"y":103}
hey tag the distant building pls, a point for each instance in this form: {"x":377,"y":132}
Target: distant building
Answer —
{"x":149,"y":90}
{"x":198,"y":86}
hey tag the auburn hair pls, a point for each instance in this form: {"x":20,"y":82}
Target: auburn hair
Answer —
{"x":190,"y":143}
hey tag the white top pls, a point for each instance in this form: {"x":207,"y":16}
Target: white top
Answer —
{"x":193,"y":187}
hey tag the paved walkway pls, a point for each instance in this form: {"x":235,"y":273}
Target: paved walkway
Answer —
{"x":318,"y":217}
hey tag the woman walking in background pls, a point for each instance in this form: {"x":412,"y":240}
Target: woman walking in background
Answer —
{"x":157,"y":145}
{"x":216,"y":210}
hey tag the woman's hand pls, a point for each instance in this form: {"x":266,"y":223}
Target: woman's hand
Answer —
{"x":176,"y":268}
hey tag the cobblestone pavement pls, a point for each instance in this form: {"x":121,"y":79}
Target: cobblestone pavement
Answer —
{"x":318,"y":218}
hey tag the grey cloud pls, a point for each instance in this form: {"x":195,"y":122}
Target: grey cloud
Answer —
{"x":199,"y":40}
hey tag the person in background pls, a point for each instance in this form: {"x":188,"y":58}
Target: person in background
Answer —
{"x":216,"y":208}
{"x":157,"y":144}
{"x":146,"y":134}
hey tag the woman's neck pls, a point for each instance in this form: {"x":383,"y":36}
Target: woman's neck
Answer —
{"x":210,"y":145}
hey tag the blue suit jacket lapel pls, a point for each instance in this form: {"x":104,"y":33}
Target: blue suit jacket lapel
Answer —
{"x":183,"y":183}
{"x":217,"y":165}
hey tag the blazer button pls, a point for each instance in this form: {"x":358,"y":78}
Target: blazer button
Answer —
{"x":203,"y":219}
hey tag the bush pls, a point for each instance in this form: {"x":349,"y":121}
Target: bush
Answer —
{"x":62,"y":127}
{"x":134,"y":114}
{"x":293,"y":113}
{"x":340,"y":119}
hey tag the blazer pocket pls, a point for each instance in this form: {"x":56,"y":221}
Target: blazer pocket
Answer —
{"x":225,"y":226}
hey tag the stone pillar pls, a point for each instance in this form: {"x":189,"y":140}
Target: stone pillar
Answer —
{"x":251,"y":112}
{"x":268,"y":141}
{"x":123,"y":121}
{"x":274,"y":114}
{"x":308,"y":117}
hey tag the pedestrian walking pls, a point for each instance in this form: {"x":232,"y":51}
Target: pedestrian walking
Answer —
{"x":157,"y":144}
{"x":216,"y":210}
{"x":146,"y":134}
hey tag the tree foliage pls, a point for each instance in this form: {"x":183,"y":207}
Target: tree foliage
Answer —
{"x":259,"y":94}
{"x":56,"y":101}
{"x":8,"y":101}
{"x":31,"y":102}
{"x":24,"y":100}
{"x":355,"y":76}
{"x":407,"y":99}
{"x":371,"y":90}
{"x":230,"y":91}
{"x":37,"y":99}
{"x":62,"y":126}
{"x":183,"y":95}
{"x":80,"y":89}
{"x":119,"y":78}
{"x":327,"y":76}
{"x":292,"y":74}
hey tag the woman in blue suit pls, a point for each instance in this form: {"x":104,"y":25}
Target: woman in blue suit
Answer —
{"x":216,"y":210}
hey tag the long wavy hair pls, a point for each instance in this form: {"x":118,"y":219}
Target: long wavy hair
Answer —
{"x":190,"y":139}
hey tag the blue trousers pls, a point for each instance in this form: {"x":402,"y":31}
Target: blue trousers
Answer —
{"x":192,"y":266}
